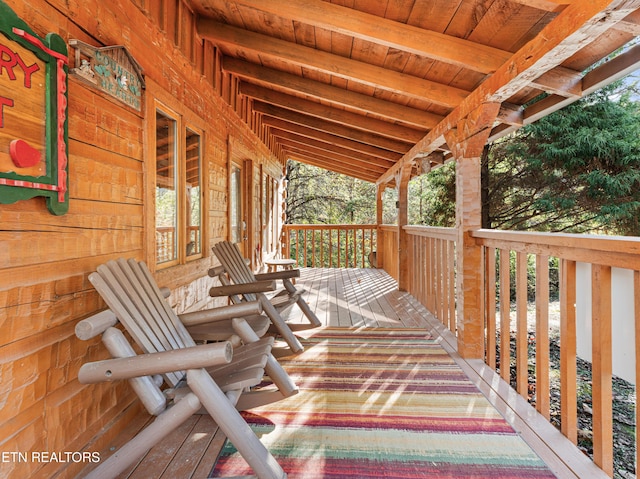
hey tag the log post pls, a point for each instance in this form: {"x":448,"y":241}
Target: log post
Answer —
{"x":467,"y":142}
{"x":379,"y":221}
{"x":402,"y":183}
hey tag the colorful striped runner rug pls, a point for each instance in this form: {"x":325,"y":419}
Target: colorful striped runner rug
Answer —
{"x":381,"y":403}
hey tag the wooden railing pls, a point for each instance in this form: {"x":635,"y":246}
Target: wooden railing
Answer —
{"x":330,"y":246}
{"x":432,"y":281}
{"x":521,"y":268}
{"x":388,"y":249}
{"x":533,"y":253}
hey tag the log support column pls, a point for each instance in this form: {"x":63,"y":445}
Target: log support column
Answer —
{"x":402,"y":183}
{"x":467,"y":142}
{"x":379,"y":219}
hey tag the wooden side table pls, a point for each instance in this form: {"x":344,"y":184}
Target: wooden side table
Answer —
{"x":272,"y":266}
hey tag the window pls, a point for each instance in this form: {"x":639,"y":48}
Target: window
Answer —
{"x":235,"y":206}
{"x":166,"y":200}
{"x":193,"y":194}
{"x":178,"y":192}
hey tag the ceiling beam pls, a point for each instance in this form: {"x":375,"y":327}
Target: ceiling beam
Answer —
{"x":241,"y":41}
{"x":284,"y":136}
{"x":575,"y":27}
{"x":332,"y":128}
{"x":275,"y":79}
{"x":408,"y":38}
{"x":356,"y":164}
{"x":613,"y":70}
{"x":329,"y":165}
{"x":317,"y":135}
{"x":343,"y":117}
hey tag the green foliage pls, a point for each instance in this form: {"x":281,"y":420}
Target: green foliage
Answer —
{"x":575,"y":170}
{"x":315,"y":195}
{"x":432,"y":197}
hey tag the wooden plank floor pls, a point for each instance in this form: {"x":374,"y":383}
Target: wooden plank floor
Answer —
{"x":358,"y":298}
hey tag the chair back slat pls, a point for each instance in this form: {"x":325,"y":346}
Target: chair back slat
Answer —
{"x":147,"y":314}
{"x":131,"y":293}
{"x":149,"y":292}
{"x":231,"y":259}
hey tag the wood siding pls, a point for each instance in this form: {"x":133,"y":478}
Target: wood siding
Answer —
{"x":45,"y":259}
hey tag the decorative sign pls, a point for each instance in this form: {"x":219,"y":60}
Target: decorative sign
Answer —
{"x":33,"y":115}
{"x":112,"y":70}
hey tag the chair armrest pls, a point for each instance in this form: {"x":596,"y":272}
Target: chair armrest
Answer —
{"x":216,"y":271}
{"x":156,"y":363}
{"x":223,"y":313}
{"x":231,"y":289}
{"x":286,"y":274}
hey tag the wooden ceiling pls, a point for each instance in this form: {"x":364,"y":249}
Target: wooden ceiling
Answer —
{"x":363,"y":87}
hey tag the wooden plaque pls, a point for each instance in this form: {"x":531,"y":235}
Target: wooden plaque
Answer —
{"x":33,"y":115}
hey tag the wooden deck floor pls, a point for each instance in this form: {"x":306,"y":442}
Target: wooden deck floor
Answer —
{"x":360,"y":298}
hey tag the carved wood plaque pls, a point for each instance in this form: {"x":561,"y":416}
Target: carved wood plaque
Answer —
{"x":33,"y":114}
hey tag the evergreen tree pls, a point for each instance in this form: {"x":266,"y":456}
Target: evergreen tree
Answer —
{"x":575,"y":170}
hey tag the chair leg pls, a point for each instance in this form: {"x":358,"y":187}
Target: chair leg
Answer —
{"x":128,"y":454}
{"x":234,"y":426}
{"x":304,"y":306}
{"x":280,"y":325}
{"x":282,"y":380}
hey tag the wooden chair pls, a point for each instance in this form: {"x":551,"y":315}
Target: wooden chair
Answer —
{"x":241,"y":285}
{"x":211,"y":376}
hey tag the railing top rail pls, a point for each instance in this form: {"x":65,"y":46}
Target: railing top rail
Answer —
{"x":618,"y":251}
{"x":432,"y":232}
{"x":327,"y":227}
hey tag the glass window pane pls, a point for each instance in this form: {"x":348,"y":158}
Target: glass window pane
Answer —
{"x":166,"y":207}
{"x":235,"y":205}
{"x":193,"y":193}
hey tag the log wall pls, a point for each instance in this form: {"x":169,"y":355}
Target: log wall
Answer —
{"x":45,"y":259}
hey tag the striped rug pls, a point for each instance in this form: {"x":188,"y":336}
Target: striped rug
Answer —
{"x":382,"y":403}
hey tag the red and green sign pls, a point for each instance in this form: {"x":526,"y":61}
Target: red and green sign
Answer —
{"x":33,"y":115}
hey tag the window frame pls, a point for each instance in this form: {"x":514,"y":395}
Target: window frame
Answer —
{"x":186,"y":120}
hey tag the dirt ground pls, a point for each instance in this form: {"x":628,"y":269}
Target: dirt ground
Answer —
{"x":624,"y":400}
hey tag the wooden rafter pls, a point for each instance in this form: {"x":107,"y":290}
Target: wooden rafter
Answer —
{"x":392,"y":79}
{"x":242,"y":41}
{"x":289,"y":83}
{"x":576,"y":26}
{"x":335,"y":18}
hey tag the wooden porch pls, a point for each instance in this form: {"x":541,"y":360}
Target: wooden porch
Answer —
{"x":358,"y":298}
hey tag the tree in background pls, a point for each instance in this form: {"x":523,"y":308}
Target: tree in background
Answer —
{"x":576,"y":170}
{"x":319,"y":196}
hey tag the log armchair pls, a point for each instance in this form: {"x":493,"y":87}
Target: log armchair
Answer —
{"x":213,"y":376}
{"x":242,"y":285}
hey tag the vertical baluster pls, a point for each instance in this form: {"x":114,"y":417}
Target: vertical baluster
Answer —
{"x":452,"y":287}
{"x":505,"y":315}
{"x":313,"y":248}
{"x":542,"y":335}
{"x":636,"y":303}
{"x":490,"y":306}
{"x":568,"y":401}
{"x":602,"y":368}
{"x":522,"y":336}
{"x":304,"y":250}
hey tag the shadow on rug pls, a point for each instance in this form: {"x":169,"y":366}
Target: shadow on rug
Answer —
{"x":384,"y":404}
